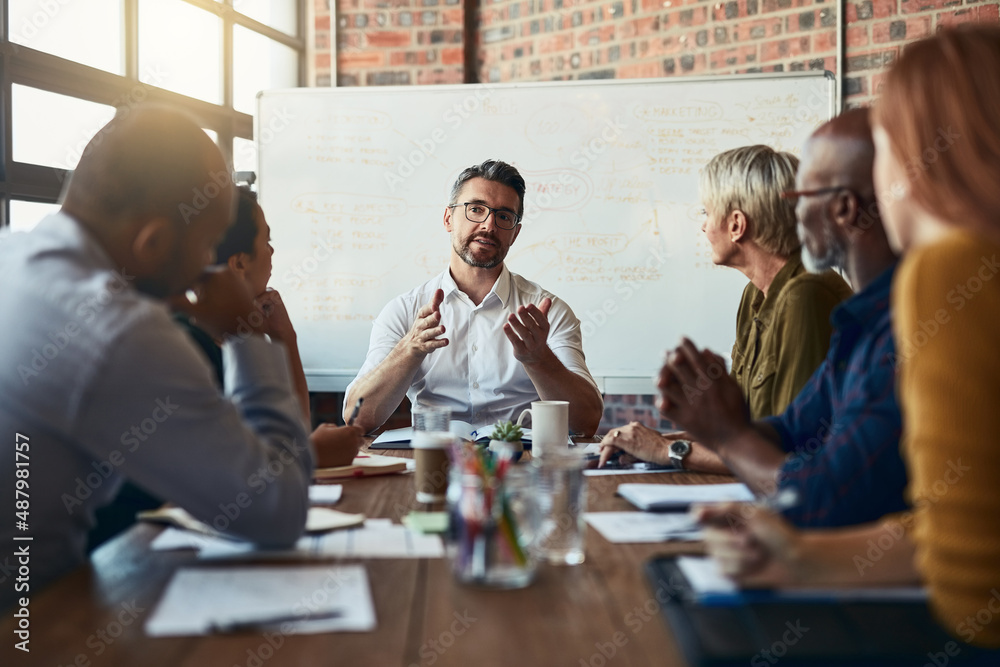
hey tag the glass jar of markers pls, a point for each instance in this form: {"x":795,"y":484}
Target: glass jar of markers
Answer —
{"x":493,"y":518}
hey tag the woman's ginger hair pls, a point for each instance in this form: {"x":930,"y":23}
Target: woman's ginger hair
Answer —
{"x":940,"y":107}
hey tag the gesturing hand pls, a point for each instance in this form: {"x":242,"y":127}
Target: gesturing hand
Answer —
{"x":425,"y":335}
{"x":528,"y":331}
{"x":699,"y":396}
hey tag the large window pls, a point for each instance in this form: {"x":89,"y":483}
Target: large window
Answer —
{"x":65,"y":65}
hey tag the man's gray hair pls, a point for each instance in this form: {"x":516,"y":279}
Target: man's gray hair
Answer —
{"x":496,"y":171}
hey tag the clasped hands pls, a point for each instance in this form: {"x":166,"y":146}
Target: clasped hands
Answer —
{"x":754,"y":546}
{"x":527,"y":330}
{"x":699,"y":396}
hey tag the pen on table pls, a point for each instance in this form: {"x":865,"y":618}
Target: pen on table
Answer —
{"x":777,"y":502}
{"x":355,"y":411}
{"x":268,"y":622}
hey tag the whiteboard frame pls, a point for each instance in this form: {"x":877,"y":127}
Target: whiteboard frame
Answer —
{"x":337,"y":380}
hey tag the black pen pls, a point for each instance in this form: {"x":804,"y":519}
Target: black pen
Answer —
{"x":354,"y":413}
{"x":269,"y":622}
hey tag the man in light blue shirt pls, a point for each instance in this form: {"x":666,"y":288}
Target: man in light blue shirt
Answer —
{"x":97,"y":383}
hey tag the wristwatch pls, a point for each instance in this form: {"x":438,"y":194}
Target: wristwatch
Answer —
{"x":678,"y":450}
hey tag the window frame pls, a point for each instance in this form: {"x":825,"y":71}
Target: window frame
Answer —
{"x":44,"y":71}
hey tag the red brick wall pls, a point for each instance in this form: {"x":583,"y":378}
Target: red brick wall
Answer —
{"x":382,"y":42}
{"x":389,"y":42}
{"x":560,"y":39}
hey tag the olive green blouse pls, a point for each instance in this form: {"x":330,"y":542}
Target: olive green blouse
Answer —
{"x":783,"y":337}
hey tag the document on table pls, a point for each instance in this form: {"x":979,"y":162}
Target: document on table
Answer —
{"x":378,"y":538}
{"x":460,"y":429}
{"x":264,"y":599}
{"x":325,"y":494}
{"x":637,"y":468}
{"x":661,"y":497}
{"x":711,"y":587}
{"x":633,"y":527}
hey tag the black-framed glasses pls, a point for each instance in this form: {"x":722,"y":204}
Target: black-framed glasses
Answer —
{"x":794,"y":195}
{"x":504,"y":218}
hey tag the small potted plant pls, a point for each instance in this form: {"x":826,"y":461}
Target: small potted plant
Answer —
{"x":506,"y":436}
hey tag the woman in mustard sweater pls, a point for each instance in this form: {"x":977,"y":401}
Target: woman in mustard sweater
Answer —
{"x":937,"y":174}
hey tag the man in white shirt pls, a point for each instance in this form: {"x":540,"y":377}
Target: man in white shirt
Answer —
{"x":477,"y":338}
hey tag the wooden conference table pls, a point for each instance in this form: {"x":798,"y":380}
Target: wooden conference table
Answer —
{"x":599,"y":613}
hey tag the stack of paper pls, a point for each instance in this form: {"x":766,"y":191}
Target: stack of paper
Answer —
{"x":319,"y":520}
{"x":710,"y":586}
{"x":662,"y":497}
{"x":378,"y":538}
{"x":325,"y":494}
{"x":265,"y":599}
{"x":626,"y":527}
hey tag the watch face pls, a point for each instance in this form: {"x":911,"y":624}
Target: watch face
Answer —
{"x":680,"y":447}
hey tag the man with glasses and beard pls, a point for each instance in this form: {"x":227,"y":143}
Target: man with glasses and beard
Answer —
{"x":477,"y":338}
{"x":837,"y":443}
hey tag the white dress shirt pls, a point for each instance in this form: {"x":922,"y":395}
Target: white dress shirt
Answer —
{"x":104,"y":385}
{"x":476,"y":374}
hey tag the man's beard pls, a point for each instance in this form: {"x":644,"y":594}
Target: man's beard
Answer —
{"x":465,"y":252}
{"x":833,"y":258}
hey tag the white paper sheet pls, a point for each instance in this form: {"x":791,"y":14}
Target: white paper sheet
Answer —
{"x":378,"y":538}
{"x":633,"y":527}
{"x":681,"y":496}
{"x":637,"y":470}
{"x":172,"y":539}
{"x":203,"y":601}
{"x":325,"y":494}
{"x":711,"y":585}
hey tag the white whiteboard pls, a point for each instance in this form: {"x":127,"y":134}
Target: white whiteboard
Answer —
{"x":354,"y":182}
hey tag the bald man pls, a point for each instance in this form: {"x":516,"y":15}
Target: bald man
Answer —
{"x":837,"y":444}
{"x":98,"y":383}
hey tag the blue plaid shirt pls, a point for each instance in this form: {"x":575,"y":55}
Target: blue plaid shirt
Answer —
{"x":842,"y":430}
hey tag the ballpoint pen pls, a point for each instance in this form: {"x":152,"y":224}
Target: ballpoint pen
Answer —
{"x":269,"y":622}
{"x":354,"y":413}
{"x":777,"y":502}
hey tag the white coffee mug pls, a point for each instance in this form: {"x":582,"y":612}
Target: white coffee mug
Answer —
{"x":549,"y":425}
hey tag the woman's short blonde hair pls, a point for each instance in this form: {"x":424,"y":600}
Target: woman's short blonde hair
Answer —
{"x":751,"y":179}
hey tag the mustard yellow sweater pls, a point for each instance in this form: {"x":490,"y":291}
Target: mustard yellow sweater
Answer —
{"x":946,"y":311}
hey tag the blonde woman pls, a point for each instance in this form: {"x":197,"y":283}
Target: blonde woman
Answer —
{"x":937,"y":171}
